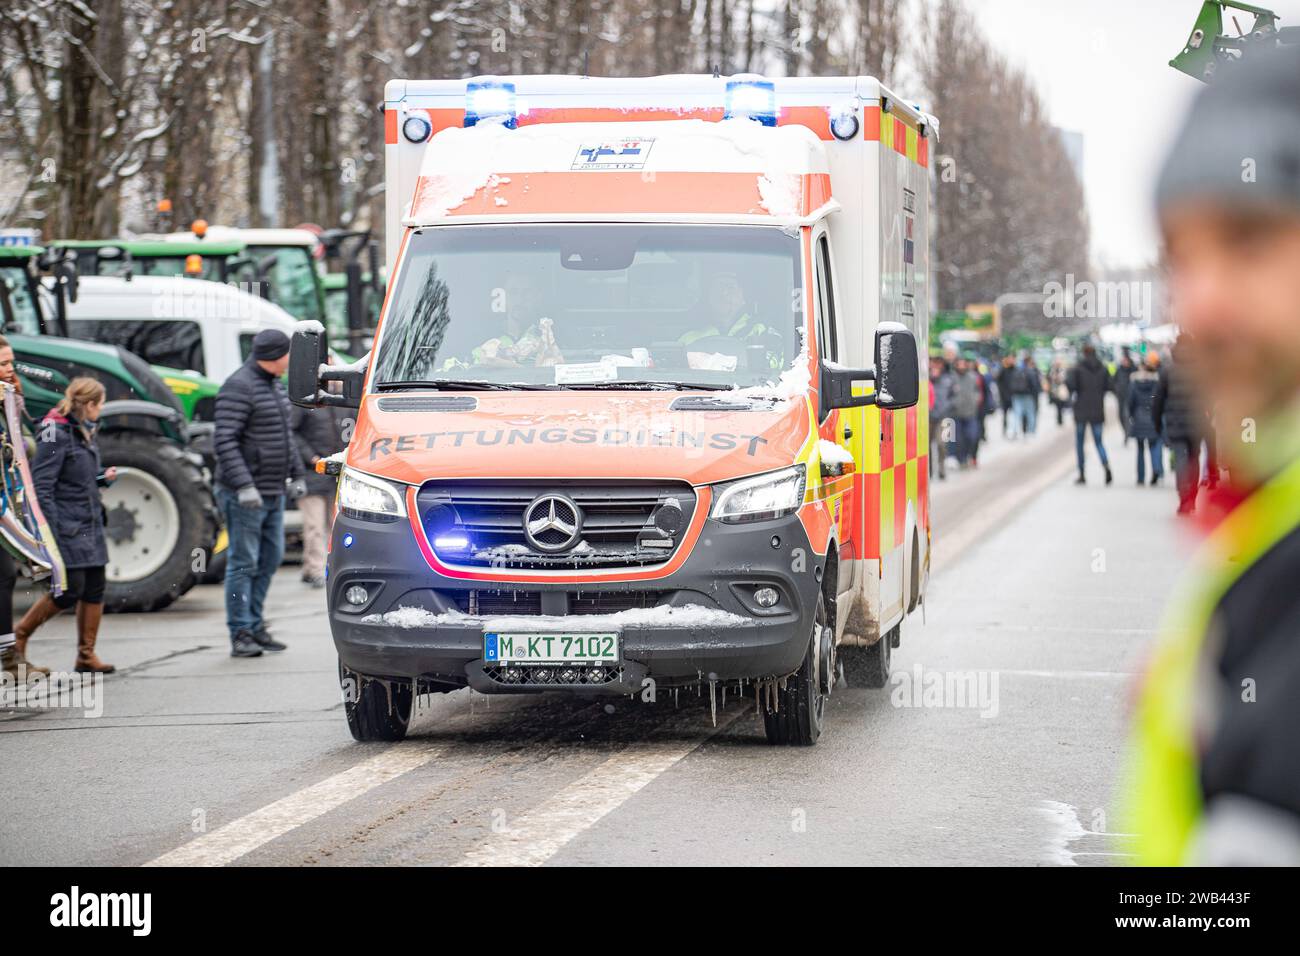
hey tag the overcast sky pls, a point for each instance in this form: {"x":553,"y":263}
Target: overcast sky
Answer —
{"x":1102,"y":66}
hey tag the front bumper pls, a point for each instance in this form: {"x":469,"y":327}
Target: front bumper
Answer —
{"x":725,"y":566}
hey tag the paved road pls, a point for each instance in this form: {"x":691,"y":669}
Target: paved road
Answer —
{"x":1045,"y":592}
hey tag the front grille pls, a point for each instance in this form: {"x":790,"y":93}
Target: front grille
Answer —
{"x":555,"y":675}
{"x":486,"y":602}
{"x":616,"y":522}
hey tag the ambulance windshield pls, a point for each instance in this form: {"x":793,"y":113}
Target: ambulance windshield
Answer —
{"x":596,"y":305}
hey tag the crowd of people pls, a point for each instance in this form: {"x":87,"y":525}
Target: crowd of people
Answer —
{"x":964,"y":394}
{"x":266,"y":452}
{"x":1157,"y":411}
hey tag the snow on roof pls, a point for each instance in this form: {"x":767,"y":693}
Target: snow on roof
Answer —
{"x":459,"y":162}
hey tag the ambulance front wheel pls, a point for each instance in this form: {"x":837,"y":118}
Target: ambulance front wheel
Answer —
{"x":376,"y":708}
{"x":795,"y":713}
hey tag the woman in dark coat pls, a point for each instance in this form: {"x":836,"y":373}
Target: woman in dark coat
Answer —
{"x":68,"y":476}
{"x":1143,"y":415}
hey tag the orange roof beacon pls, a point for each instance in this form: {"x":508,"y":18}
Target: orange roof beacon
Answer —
{"x":644,"y":407}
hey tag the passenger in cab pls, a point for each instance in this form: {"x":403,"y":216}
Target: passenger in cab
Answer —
{"x":528,"y":337}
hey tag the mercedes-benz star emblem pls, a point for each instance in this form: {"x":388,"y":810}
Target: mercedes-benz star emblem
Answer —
{"x":552,"y":523}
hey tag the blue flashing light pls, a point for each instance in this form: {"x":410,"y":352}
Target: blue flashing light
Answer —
{"x":451,"y":541}
{"x":753,"y":98}
{"x":490,"y":99}
{"x":347,"y":539}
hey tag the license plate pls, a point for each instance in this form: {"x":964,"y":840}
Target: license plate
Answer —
{"x":550,"y":648}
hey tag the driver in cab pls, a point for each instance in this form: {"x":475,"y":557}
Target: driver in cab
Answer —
{"x":727,"y":316}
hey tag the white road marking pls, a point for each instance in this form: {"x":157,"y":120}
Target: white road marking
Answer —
{"x":951,"y":546}
{"x":228,"y":843}
{"x":539,"y":834}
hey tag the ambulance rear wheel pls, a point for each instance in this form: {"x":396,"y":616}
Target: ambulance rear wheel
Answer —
{"x":868,"y":666}
{"x":376,"y":708}
{"x":796,"y":715}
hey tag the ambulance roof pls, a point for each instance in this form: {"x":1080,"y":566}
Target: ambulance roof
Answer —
{"x":732,"y":169}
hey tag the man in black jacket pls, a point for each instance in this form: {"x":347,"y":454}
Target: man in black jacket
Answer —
{"x":1182,"y":413}
{"x":257,"y":463}
{"x":1089,"y":381}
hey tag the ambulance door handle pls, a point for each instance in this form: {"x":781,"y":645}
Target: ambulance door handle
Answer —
{"x":848,"y":432}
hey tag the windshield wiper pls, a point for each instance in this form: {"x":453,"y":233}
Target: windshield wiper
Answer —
{"x":456,"y":385}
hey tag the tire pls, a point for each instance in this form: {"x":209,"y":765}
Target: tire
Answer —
{"x":868,"y":666}
{"x":801,"y":704}
{"x":159,"y":513}
{"x":376,"y":709}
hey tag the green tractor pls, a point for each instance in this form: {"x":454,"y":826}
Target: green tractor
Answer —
{"x":1210,"y":49}
{"x":162,"y":520}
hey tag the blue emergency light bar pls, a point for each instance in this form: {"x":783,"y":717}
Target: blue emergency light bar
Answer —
{"x":490,"y":100}
{"x":751,"y":98}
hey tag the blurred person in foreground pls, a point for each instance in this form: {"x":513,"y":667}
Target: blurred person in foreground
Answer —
{"x":1216,"y":769}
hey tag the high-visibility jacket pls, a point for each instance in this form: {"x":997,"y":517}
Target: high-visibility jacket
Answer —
{"x":1166,"y":792}
{"x":742,"y":328}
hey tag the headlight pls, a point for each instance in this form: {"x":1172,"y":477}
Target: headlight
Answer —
{"x":761,"y":498}
{"x":369,"y":497}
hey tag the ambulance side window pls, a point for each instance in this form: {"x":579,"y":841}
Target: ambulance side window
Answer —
{"x":829,"y":342}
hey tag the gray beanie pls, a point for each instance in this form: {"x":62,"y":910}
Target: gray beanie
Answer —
{"x":1240,"y":142}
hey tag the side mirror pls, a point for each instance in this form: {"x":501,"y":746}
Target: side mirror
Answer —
{"x":307,"y":354}
{"x":310,"y":375}
{"x":898,"y":376}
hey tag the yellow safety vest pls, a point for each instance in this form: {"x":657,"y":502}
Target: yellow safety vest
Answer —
{"x":1165,"y":785}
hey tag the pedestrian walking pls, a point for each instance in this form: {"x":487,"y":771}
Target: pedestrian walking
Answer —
{"x":967,"y":397}
{"x":1143,"y":409}
{"x":1185,"y":424}
{"x":1216,"y":769}
{"x":318,"y":433}
{"x":68,"y":476}
{"x":1123,"y":375}
{"x":1088,"y":382}
{"x":941,"y":421}
{"x":12,"y":657}
{"x":1022,"y":386}
{"x":1058,"y":389}
{"x":1036,"y":389}
{"x":1001,"y":378}
{"x":257,"y":464}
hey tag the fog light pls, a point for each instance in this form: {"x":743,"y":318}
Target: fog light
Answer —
{"x":766,"y":597}
{"x":356,"y":595}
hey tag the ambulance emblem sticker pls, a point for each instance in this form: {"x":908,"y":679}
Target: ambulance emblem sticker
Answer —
{"x":613,"y":154}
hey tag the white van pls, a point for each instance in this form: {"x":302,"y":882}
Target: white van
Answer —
{"x":180,"y":323}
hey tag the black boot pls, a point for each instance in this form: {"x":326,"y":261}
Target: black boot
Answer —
{"x":265,"y":641}
{"x":243,"y":645}
{"x":1080,"y":480}
{"x":1109,"y":476}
